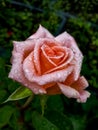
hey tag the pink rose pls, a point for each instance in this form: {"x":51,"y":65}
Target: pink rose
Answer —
{"x":49,"y":65}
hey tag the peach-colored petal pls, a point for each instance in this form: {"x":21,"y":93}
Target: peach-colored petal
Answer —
{"x":57,"y":76}
{"x":46,"y":62}
{"x":49,"y":62}
{"x":64,"y":64}
{"x":27,"y":45}
{"x":80,"y":84}
{"x":41,"y":33}
{"x":70,"y":79}
{"x":68,"y":91}
{"x":17,"y":73}
{"x":48,"y":85}
{"x":36,"y":59}
{"x":53,"y":90}
{"x":28,"y":66}
{"x":73,"y":93}
{"x":83,"y":96}
{"x":22,"y":49}
{"x":58,"y":61}
{"x":67,"y":40}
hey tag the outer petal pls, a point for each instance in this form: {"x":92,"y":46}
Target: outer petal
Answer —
{"x":41,"y":33}
{"x":17,"y":73}
{"x":73,"y":93}
{"x":58,"y":76}
{"x":80,"y":84}
{"x":70,"y":79}
{"x":68,"y":91}
{"x":21,"y":47}
{"x":67,"y":40}
{"x":83,"y":96}
{"x":53,"y":90}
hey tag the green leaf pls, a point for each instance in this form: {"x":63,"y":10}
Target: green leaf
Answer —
{"x":41,"y":123}
{"x":79,"y":122}
{"x":60,"y":120}
{"x":20,"y":93}
{"x":5,"y":114}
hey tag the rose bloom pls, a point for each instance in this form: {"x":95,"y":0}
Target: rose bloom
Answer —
{"x":49,"y":65}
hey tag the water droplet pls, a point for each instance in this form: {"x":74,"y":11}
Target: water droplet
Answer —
{"x":14,"y":60}
{"x":58,"y":75}
{"x":35,"y":90}
{"x":26,"y":84}
{"x":19,"y":77}
{"x":15,"y":71}
{"x":41,"y":91}
{"x":30,"y":59}
{"x":27,"y":71}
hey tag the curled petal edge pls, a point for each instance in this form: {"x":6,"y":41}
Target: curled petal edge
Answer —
{"x":72,"y":93}
{"x":41,"y":33}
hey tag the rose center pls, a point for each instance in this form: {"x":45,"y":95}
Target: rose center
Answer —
{"x":51,"y":57}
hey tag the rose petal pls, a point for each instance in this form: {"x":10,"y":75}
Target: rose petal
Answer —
{"x":70,"y":79}
{"x":41,"y":33}
{"x":57,"y":76}
{"x":80,"y":84}
{"x":67,"y":40}
{"x":68,"y":91}
{"x":17,"y":73}
{"x":32,"y":86}
{"x":36,"y":59}
{"x":64,"y":64}
{"x":27,"y":45}
{"x":46,"y":62}
{"x":83,"y":96}
{"x":73,"y":93}
{"x":53,"y":90}
{"x":28,"y":66}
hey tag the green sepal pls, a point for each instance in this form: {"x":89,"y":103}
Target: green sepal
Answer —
{"x":20,"y":93}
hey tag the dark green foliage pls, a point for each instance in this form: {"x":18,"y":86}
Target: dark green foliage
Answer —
{"x":18,"y":20}
{"x":60,"y":120}
{"x":5,"y":115}
{"x":41,"y":123}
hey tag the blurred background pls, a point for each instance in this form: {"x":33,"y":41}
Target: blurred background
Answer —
{"x":18,"y":20}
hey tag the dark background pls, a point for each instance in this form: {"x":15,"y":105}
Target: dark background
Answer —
{"x":18,"y":20}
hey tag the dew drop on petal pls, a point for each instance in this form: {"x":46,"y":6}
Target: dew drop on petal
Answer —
{"x":26,"y":84}
{"x":27,"y":71}
{"x":30,"y":59}
{"x":40,"y":91}
{"x":19,"y":77}
{"x":35,"y":90}
{"x":58,"y":75}
{"x":15,"y":71}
